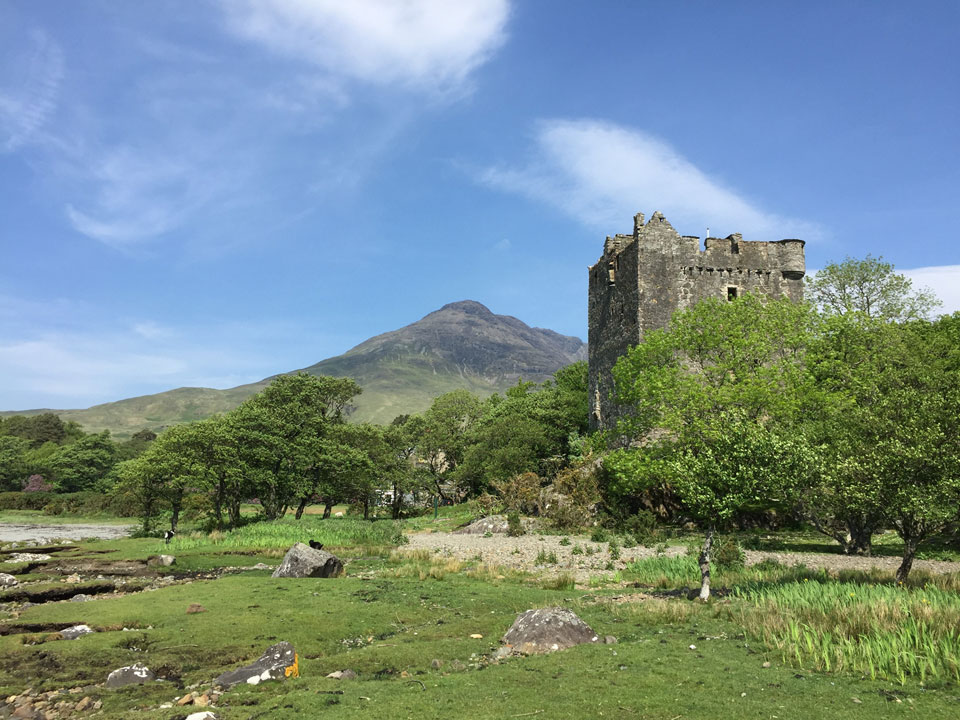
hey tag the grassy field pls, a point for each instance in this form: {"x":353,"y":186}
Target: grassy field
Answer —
{"x":757,"y":651}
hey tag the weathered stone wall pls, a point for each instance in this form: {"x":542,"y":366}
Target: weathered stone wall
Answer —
{"x":642,"y":279}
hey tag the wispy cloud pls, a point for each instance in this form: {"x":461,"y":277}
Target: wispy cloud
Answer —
{"x":944,"y":280}
{"x":602,"y":174}
{"x":432,"y":44}
{"x":29,"y":86}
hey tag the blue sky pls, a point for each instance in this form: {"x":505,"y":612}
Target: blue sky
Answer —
{"x":206,"y":192}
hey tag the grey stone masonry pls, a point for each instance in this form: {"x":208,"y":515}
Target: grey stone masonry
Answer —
{"x":643,"y":278}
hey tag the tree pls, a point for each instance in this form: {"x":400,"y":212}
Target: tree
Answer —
{"x":442,"y":434}
{"x":13,"y":462}
{"x":713,"y":402}
{"x":297,"y":410}
{"x":78,"y":466}
{"x":869,"y":286}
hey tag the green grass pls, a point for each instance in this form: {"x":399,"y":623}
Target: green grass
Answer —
{"x":884,"y":630}
{"x":393,"y":613}
{"x":332,"y":532}
{"x":38,"y":517}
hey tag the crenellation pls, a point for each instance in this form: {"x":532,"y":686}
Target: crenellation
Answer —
{"x":643,"y":278}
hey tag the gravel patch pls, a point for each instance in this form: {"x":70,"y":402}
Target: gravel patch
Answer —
{"x":520,"y":553}
{"x":43,"y":534}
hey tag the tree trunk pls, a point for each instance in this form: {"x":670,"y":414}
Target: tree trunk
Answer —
{"x":218,"y":504}
{"x":234,"y":510}
{"x":302,"y":506}
{"x":366,"y":508}
{"x":175,"y":518}
{"x":705,"y":565}
{"x":909,"y":551}
{"x":397,"y":501}
{"x":859,"y":540}
{"x":327,"y":509}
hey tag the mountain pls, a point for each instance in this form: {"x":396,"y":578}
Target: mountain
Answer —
{"x":461,"y":345}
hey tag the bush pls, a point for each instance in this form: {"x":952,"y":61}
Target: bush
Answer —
{"x":599,"y":534}
{"x":514,"y":526}
{"x":642,"y":525}
{"x":520,"y":493}
{"x":570,"y":502}
{"x":727,"y":553}
{"x":487,"y":505}
{"x":79,"y":503}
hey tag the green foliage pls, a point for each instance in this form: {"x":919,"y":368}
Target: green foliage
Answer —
{"x":514,"y":526}
{"x":599,"y":534}
{"x":869,"y":287}
{"x":546,"y":558}
{"x":727,"y":553}
{"x":13,"y":462}
{"x":520,"y":493}
{"x":82,"y":504}
{"x":80,"y":465}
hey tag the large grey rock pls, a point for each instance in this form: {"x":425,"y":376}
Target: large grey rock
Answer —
{"x":277,"y":662}
{"x":131,"y":675}
{"x":7,"y":580}
{"x":205,"y":715}
{"x":303,"y":561}
{"x":494,"y":524}
{"x":547,"y":630}
{"x":75,"y":631}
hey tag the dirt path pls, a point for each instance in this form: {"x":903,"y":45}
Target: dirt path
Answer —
{"x":520,"y":553}
{"x":44,"y":534}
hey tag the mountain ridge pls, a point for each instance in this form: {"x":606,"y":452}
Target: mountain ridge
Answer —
{"x":462,"y":345}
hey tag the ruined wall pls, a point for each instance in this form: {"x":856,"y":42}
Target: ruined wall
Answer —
{"x":642,"y":279}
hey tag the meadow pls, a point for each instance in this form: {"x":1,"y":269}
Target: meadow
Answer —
{"x":776,"y":641}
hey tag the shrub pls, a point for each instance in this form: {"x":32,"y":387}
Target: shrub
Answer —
{"x":564,"y":581}
{"x":36,"y":483}
{"x":727,"y":553}
{"x":599,"y":534}
{"x":571,"y":501}
{"x":514,"y":526}
{"x":642,"y":525}
{"x":487,"y":505}
{"x":544,"y":558}
{"x":520,"y":493}
{"x":564,"y":541}
{"x":614,"y":550}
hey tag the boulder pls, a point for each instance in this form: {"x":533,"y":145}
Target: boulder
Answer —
{"x":494,"y":524}
{"x":161,"y":560}
{"x":277,"y":662}
{"x":80,"y":597}
{"x":7,"y":580}
{"x":131,"y":675}
{"x":75,"y":631}
{"x":546,"y":630}
{"x":205,"y":715}
{"x":343,"y":675}
{"x":303,"y":561}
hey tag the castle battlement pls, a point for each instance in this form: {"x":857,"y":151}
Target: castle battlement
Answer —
{"x":643,"y":278}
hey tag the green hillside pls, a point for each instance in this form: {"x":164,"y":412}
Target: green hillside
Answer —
{"x":461,"y":346}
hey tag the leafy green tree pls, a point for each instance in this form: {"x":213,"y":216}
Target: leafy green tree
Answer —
{"x":297,"y":410}
{"x":713,"y":399}
{"x":38,"y":429}
{"x":442,"y":439}
{"x":13,"y":462}
{"x":79,"y":465}
{"x":869,"y":286}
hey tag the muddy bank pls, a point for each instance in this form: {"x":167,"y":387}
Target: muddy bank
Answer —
{"x":23,"y":532}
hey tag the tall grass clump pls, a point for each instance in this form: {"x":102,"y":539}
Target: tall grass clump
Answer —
{"x":332,"y":532}
{"x":883,"y":630}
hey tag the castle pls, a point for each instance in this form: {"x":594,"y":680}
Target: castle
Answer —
{"x":641,"y":279}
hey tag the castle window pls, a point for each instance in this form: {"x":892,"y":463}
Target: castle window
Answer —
{"x":611,"y":274}
{"x":731,"y":293}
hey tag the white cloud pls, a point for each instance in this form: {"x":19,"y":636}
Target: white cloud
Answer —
{"x":29,"y":87}
{"x":433,"y":44}
{"x":944,"y":280}
{"x":602,"y":174}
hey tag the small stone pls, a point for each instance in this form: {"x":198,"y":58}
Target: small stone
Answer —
{"x":766,"y":664}
{"x":610,"y":640}
{"x":743,"y":694}
{"x":23,"y":712}
{"x":98,"y":704}
{"x":477,"y":636}
{"x":161,"y":560}
{"x":72,"y":579}
{"x":205,"y":715}
{"x":693,"y":647}
{"x":195,"y":608}
{"x":343,"y":675}
{"x":84,"y":704}
{"x":436,"y":664}
{"x":202,"y":701}
{"x":185,"y":700}
{"x":7,"y":580}
{"x":858,"y":701}
{"x":80,"y":597}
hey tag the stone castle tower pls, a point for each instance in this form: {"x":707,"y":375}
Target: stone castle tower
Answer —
{"x":641,"y":279}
